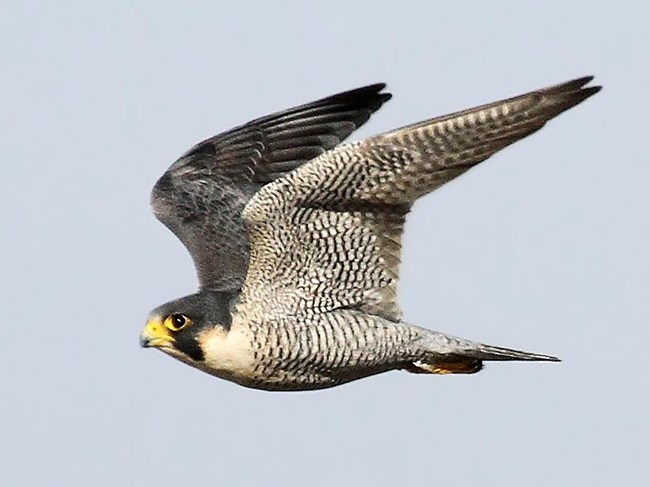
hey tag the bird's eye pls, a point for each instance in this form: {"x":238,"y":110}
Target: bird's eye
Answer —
{"x":177,"y":322}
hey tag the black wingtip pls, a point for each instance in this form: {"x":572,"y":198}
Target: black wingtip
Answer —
{"x":575,"y":87}
{"x":377,"y":87}
{"x":565,"y":95}
{"x":369,"y":97}
{"x":592,"y":90}
{"x":587,"y":90}
{"x":580,"y":95}
{"x":362,"y":91}
{"x":579,"y":82}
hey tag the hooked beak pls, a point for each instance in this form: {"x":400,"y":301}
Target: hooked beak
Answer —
{"x":155,"y":334}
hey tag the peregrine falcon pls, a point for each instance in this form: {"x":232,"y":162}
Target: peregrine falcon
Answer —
{"x":296,"y":239}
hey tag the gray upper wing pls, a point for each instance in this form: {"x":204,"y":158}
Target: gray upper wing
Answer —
{"x":327,"y":235}
{"x":201,"y":196}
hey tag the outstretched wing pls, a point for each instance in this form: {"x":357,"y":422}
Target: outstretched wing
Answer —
{"x":327,"y":235}
{"x":201,"y":196}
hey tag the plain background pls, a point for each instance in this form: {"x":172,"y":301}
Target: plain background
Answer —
{"x":544,"y":247}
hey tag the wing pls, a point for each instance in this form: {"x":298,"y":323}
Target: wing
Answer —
{"x":201,"y":196}
{"x":327,"y":235}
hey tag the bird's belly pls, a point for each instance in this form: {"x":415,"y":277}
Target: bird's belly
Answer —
{"x":324,"y":351}
{"x":327,"y":351}
{"x":290,"y":368}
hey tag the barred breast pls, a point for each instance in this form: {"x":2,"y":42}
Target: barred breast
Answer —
{"x":324,"y":350}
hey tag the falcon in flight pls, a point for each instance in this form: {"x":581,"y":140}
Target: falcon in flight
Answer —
{"x":296,"y":239}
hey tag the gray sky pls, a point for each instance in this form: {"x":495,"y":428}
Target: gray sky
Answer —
{"x":544,"y":247}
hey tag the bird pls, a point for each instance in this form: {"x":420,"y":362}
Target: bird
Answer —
{"x":296,"y":239}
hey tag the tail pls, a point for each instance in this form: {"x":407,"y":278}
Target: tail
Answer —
{"x":451,"y":355}
{"x":490,"y":352}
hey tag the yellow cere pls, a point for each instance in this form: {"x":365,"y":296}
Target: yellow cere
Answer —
{"x":157,"y":333}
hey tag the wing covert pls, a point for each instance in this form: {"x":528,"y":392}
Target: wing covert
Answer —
{"x":201,"y":196}
{"x":327,"y":235}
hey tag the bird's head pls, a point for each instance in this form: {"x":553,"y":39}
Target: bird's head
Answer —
{"x":177,"y":327}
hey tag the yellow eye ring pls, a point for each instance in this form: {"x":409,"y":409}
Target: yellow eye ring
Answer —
{"x":177,"y":322}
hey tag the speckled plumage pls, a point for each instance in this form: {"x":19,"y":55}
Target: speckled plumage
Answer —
{"x":201,"y":196}
{"x":318,"y":306}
